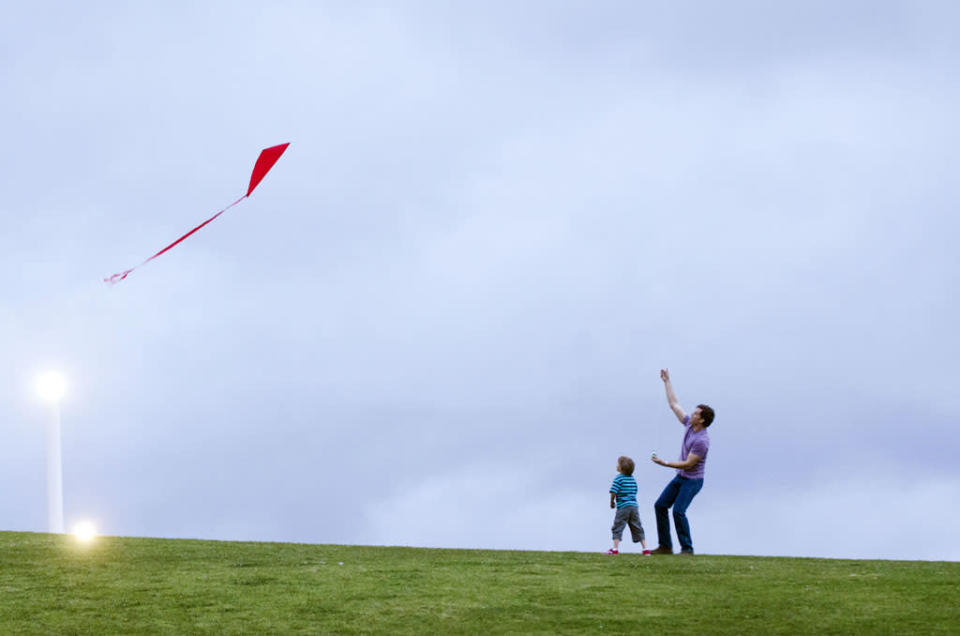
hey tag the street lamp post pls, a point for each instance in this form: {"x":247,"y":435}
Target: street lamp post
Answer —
{"x":51,"y":388}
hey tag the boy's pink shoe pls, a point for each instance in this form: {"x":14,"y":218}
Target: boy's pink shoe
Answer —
{"x":612,"y":551}
{"x":646,"y":553}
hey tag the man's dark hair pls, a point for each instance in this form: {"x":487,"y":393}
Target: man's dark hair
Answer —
{"x":707,"y":414}
{"x":625,"y":464}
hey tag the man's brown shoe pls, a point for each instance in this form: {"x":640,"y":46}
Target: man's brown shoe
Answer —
{"x":662,"y":550}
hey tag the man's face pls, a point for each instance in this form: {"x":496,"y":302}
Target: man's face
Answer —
{"x":696,"y":417}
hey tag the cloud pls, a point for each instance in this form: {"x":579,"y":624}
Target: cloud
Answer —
{"x":495,"y":223}
{"x":852,"y":514}
{"x":491,"y":505}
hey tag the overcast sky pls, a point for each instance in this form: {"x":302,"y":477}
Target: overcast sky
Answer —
{"x":441,"y":317}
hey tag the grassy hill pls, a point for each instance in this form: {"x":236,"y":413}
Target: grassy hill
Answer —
{"x":51,"y":584}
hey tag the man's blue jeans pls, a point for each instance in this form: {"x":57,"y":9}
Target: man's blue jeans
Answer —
{"x":678,"y":493}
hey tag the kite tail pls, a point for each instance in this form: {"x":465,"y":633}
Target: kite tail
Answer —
{"x":116,"y":278}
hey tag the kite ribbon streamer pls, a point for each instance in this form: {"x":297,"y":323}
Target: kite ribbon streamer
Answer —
{"x":268,"y":157}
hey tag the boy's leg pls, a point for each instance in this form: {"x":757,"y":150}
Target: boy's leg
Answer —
{"x":688,"y":490}
{"x":636,"y":528}
{"x":619,"y":521}
{"x":667,"y":497}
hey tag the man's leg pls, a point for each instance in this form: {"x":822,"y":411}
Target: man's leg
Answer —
{"x":667,"y":497}
{"x":688,"y":490}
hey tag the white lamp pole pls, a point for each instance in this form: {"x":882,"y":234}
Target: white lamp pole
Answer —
{"x":51,"y":387}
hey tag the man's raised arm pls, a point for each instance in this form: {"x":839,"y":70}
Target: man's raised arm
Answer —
{"x":671,"y":396}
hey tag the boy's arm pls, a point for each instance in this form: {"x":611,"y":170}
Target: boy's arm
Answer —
{"x":613,"y":500}
{"x":672,"y":397}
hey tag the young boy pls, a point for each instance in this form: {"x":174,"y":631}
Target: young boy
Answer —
{"x":623,"y":497}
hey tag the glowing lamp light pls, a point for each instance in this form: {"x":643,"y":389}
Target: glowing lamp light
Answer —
{"x":51,"y":386}
{"x":85,"y":532}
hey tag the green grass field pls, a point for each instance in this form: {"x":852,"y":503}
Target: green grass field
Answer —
{"x":52,"y":584}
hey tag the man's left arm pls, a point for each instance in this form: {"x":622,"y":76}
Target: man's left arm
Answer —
{"x":692,"y":460}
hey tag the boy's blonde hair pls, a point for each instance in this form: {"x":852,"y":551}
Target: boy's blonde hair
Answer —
{"x":625,"y":464}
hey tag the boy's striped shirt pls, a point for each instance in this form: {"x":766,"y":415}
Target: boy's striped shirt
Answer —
{"x":625,"y":488}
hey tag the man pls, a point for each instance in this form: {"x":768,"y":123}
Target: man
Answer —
{"x":689,"y":479}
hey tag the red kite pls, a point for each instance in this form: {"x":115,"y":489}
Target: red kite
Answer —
{"x":268,"y":157}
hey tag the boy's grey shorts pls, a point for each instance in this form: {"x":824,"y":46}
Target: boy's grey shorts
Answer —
{"x":628,"y":516}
